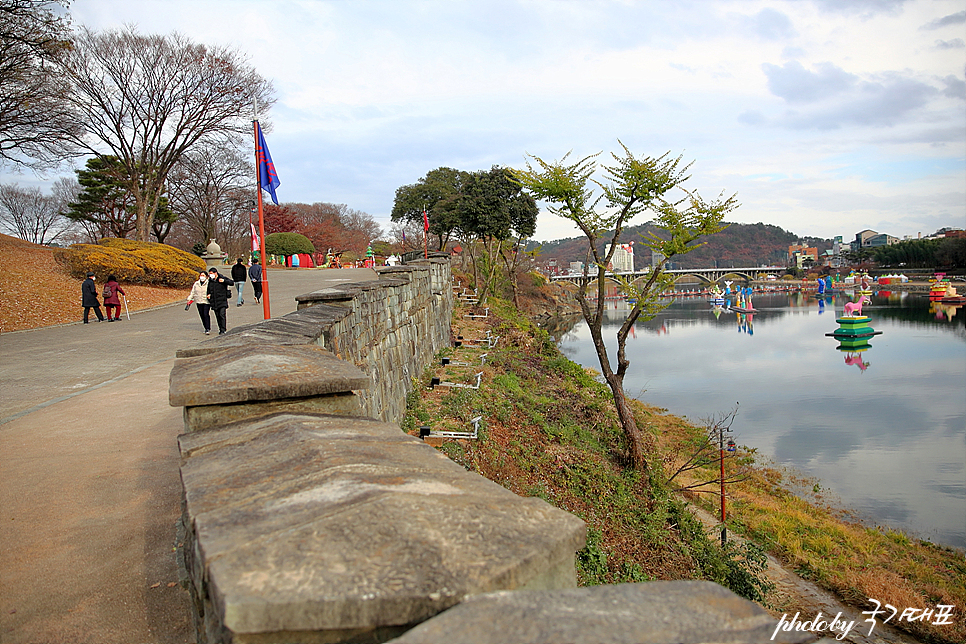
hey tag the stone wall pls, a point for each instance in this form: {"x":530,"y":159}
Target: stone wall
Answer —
{"x":309,"y":516}
{"x":392,"y":330}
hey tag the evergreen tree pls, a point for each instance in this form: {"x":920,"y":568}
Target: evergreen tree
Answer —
{"x":104,"y":201}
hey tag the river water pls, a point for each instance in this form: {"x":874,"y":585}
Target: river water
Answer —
{"x":883,"y":429}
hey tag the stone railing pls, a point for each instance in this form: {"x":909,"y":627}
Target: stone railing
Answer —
{"x":309,"y":516}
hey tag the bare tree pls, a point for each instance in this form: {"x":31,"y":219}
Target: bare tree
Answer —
{"x":31,"y":215}
{"x":37,"y":124}
{"x":210,"y":189}
{"x":694,"y":461}
{"x":335,"y":226}
{"x":150,"y":98}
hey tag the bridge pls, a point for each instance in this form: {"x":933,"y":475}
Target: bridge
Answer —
{"x":704,"y":275}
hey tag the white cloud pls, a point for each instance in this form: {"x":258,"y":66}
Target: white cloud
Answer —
{"x":373,"y":94}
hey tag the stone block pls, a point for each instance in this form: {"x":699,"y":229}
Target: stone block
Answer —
{"x":660,"y":612}
{"x":260,"y":372}
{"x":324,"y":528}
{"x":208,"y":416}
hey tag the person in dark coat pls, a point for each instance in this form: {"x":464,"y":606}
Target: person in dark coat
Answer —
{"x":255,"y":275}
{"x":218,"y":297}
{"x":89,"y":299}
{"x":238,"y":274}
{"x":113,"y":301}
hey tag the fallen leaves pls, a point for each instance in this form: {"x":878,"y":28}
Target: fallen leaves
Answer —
{"x":36,"y":291}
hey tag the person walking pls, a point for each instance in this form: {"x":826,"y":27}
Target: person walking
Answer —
{"x":255,"y":274}
{"x":89,"y":299}
{"x":238,"y":274}
{"x":199,"y":295}
{"x":111,"y":299}
{"x":218,"y":295}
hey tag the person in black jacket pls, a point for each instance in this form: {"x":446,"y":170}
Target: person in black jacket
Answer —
{"x":255,"y":274}
{"x":89,"y":299}
{"x":238,"y":274}
{"x":218,"y":297}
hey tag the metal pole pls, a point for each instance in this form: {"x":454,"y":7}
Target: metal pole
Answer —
{"x":266,"y":307}
{"x":724,"y":528}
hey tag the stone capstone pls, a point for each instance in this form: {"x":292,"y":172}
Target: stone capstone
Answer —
{"x":260,"y":372}
{"x":659,"y":612}
{"x":335,"y":526}
{"x":299,"y":327}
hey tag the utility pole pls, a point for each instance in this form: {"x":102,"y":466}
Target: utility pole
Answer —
{"x":722,"y":447}
{"x":724,"y":526}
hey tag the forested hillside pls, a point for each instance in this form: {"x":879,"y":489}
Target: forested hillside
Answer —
{"x":736,"y":245}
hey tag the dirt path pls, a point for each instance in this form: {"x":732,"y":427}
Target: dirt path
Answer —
{"x":793,"y":594}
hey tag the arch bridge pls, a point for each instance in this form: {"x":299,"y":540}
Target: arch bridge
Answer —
{"x":704,"y":275}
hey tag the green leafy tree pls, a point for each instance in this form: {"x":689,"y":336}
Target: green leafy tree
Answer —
{"x":437,"y":193}
{"x":951,"y":253}
{"x":629,"y":187}
{"x":104,"y":201}
{"x":163,"y":219}
{"x":288,"y":244}
{"x":493,"y":209}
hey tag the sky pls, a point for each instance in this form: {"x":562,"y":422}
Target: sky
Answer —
{"x":825,"y":117}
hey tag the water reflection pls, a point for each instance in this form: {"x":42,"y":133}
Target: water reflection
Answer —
{"x":890,"y":439}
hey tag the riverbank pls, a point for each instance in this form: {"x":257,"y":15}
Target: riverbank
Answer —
{"x":804,"y":285}
{"x":549,"y":430}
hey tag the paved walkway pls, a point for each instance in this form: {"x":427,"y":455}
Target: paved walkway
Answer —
{"x":89,"y":485}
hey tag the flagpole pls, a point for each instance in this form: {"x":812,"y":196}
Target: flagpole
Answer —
{"x":266,"y":307}
{"x":425,"y":234}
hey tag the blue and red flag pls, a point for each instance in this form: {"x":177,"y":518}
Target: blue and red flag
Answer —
{"x":267,"y":176}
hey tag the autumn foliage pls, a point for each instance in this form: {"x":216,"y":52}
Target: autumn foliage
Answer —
{"x":132,"y":262}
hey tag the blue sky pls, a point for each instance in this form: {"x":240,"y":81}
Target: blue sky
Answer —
{"x":825,"y":117}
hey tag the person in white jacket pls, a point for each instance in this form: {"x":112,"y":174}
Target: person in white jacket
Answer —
{"x":199,"y":295}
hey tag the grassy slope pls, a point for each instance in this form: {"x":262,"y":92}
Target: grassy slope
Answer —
{"x":36,"y":291}
{"x":549,"y":430}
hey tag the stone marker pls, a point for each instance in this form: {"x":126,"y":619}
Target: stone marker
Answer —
{"x":659,"y":612}
{"x":326,"y":528}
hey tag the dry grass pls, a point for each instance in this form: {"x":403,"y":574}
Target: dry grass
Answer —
{"x":36,"y":291}
{"x":822,"y":544}
{"x":549,"y":430}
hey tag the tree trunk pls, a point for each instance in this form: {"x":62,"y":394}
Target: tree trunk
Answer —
{"x":616,"y":384}
{"x":628,"y":422}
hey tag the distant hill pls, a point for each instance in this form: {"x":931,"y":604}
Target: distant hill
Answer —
{"x":736,"y":245}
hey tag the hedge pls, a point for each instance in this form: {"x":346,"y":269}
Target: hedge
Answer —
{"x":132,"y":262}
{"x":288,"y":244}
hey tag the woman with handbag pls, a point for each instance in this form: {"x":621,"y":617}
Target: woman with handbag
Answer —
{"x":199,"y":295}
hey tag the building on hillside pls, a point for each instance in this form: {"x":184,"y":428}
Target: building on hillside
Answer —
{"x":576,"y":268}
{"x":870,"y":239}
{"x":798,"y":254}
{"x":835,"y":258}
{"x":623,"y":259}
{"x":657,"y":259}
{"x":945,"y":233}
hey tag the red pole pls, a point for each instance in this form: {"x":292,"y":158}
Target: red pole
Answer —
{"x":724,"y":527}
{"x":722,"y":488}
{"x":425,"y":234}
{"x":266,"y":307}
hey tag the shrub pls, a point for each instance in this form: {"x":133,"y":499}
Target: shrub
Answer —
{"x":132,"y":262}
{"x":288,"y":244}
